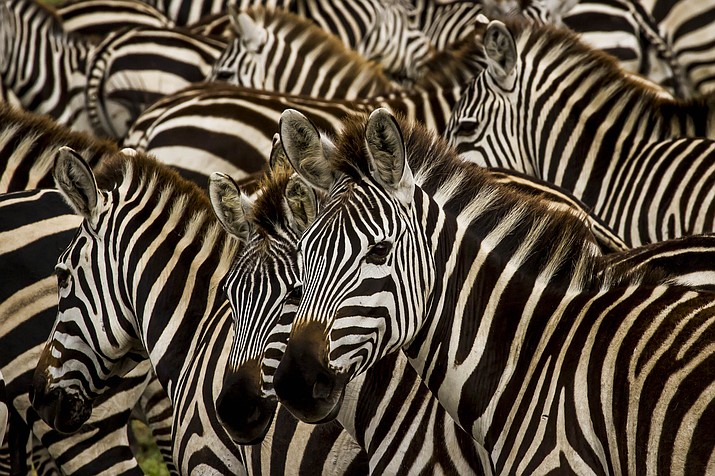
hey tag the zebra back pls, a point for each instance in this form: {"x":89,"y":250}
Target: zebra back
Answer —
{"x":132,"y":68}
{"x":98,"y":18}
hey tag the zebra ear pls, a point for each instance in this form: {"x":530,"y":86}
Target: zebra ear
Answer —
{"x":305,"y":149}
{"x":250,"y":33}
{"x":75,"y":180}
{"x":500,"y":48}
{"x":278,"y":156}
{"x":388,"y":156}
{"x":301,"y":204}
{"x":230,"y":205}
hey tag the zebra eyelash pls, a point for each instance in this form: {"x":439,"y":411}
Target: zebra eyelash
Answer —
{"x":63,"y":276}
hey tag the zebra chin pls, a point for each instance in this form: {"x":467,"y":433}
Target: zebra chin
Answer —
{"x":304,"y":383}
{"x":241,"y":407}
{"x":64,"y":411}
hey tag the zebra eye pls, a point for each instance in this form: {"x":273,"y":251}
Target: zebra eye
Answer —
{"x":63,"y":276}
{"x":295,"y":295}
{"x":377,"y":254}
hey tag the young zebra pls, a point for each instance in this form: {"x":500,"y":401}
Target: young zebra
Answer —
{"x":35,"y":227}
{"x":140,"y":280}
{"x":42,"y":64}
{"x":553,"y":108}
{"x":550,"y":357}
{"x":132,"y":68}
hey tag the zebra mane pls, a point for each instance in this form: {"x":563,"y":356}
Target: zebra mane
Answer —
{"x":596,"y":64}
{"x":277,"y":19}
{"x":564,"y":243}
{"x":140,"y":172}
{"x":268,"y":212}
{"x":456,"y":65}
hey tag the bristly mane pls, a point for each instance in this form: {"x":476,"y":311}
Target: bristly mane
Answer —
{"x":610,"y":76}
{"x":140,"y":170}
{"x":456,"y":65}
{"x":437,"y":167}
{"x":276,"y":19}
{"x":268,"y":212}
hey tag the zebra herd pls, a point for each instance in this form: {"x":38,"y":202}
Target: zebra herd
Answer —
{"x":361,"y":236}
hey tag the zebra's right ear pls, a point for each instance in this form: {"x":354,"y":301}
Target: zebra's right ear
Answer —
{"x":251,"y":34}
{"x":500,"y":47}
{"x":301,"y":204}
{"x":75,"y":180}
{"x":230,"y":205}
{"x":305,"y":150}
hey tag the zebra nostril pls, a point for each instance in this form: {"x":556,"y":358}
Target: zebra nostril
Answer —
{"x":322,"y":387}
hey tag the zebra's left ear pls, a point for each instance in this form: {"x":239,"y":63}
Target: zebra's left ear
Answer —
{"x":301,"y":204}
{"x":75,"y":180}
{"x":250,"y":33}
{"x":500,"y":47}
{"x":388,"y":156}
{"x":230,"y":205}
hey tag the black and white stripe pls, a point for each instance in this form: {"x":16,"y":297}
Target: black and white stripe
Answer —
{"x":98,"y":18}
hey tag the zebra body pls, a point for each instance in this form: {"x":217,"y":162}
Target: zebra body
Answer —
{"x":551,"y":358}
{"x":132,"y":68}
{"x":36,"y":226}
{"x":181,"y":330}
{"x":585,"y":127}
{"x":230,"y":119}
{"x":98,"y":18}
{"x":42,"y":64}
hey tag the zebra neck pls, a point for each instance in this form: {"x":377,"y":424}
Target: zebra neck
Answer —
{"x":488,"y":265}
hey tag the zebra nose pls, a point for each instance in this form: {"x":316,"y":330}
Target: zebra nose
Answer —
{"x":243,"y":411}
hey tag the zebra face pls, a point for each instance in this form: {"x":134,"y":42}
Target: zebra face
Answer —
{"x":364,"y":272}
{"x":483,"y":126}
{"x":92,"y":341}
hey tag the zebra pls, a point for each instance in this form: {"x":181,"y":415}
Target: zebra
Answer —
{"x":184,"y":321}
{"x":549,"y":357}
{"x":98,"y":18}
{"x":134,"y":67}
{"x":42,"y":64}
{"x":276,"y":50}
{"x":36,"y":226}
{"x":3,"y":408}
{"x":607,"y":137}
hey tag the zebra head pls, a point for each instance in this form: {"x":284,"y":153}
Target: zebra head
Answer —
{"x":243,"y":61}
{"x":483,"y":126}
{"x":263,"y":288}
{"x":364,"y":264}
{"x":84,"y":351}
